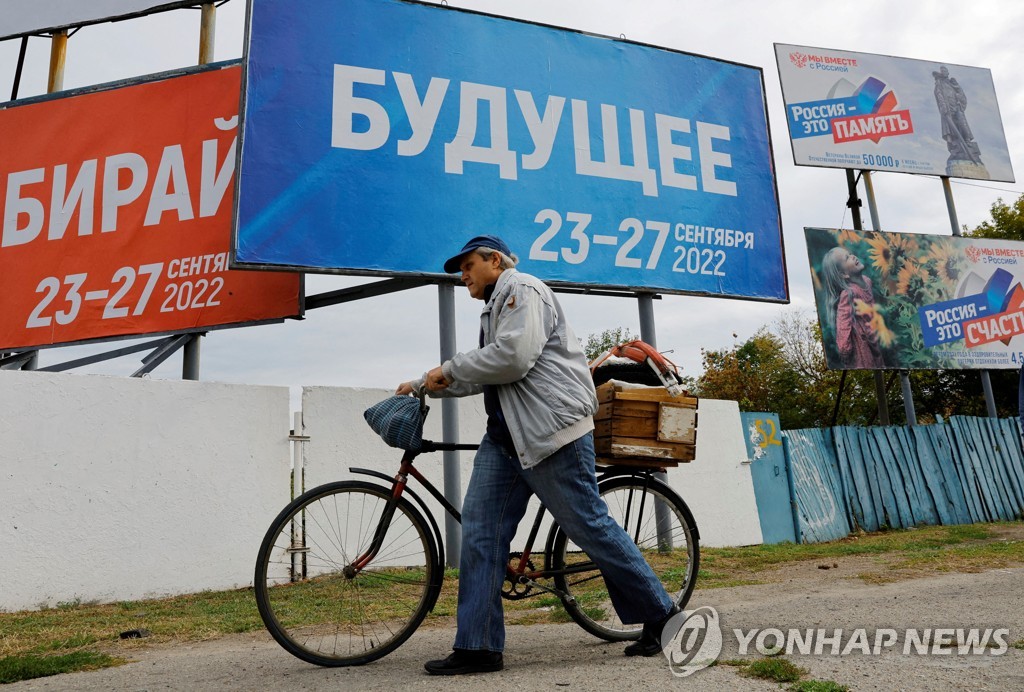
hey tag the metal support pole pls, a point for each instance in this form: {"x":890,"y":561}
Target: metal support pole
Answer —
{"x":207,"y":33}
{"x":298,"y":456}
{"x":190,"y":359}
{"x":450,"y":427}
{"x":54,"y":82}
{"x":872,"y":207}
{"x":986,"y":377}
{"x":839,"y":398}
{"x":21,"y":66}
{"x":908,"y":393}
{"x":299,"y":566}
{"x":58,"y":55}
{"x":854,"y":203}
{"x":908,"y":398}
{"x":950,"y":207}
{"x":645,"y":304}
{"x":990,"y":400}
{"x":882,"y":396}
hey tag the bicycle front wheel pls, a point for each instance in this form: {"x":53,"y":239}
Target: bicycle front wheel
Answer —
{"x":660,"y":524}
{"x":315,"y":595}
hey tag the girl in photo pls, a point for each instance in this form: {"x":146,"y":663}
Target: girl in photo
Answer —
{"x":845,"y":284}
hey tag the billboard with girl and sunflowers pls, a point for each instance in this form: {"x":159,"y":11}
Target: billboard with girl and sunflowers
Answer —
{"x":911,"y":301}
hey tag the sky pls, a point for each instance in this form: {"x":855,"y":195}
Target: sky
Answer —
{"x":380,"y":342}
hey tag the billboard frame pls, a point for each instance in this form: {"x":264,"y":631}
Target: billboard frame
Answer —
{"x":120,"y":83}
{"x":155,"y":9}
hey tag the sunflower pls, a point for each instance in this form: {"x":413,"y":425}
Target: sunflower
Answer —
{"x":881,"y":254}
{"x":947,"y":262}
{"x":904,"y":248}
{"x":876,"y":323}
{"x":886,"y":337}
{"x":846,"y":236}
{"x":890,"y":250}
{"x":863,"y":308}
{"x":909,"y":244}
{"x":912,"y":281}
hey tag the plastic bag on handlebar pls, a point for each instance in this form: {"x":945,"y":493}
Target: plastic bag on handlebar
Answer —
{"x":399,"y":421}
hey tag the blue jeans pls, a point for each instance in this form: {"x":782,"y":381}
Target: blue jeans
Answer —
{"x":495,"y":503}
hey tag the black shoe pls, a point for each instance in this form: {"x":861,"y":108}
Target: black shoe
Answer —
{"x":649,"y":643}
{"x":464,"y":661}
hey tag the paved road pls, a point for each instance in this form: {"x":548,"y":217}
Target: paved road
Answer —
{"x":563,"y":657}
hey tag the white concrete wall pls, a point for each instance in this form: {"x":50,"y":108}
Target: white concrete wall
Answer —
{"x":717,"y":485}
{"x":119,"y":489}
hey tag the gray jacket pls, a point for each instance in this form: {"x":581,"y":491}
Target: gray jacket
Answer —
{"x":546,"y":390}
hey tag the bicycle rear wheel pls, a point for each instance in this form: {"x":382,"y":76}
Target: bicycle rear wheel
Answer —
{"x":661,"y":525}
{"x":317,"y":603}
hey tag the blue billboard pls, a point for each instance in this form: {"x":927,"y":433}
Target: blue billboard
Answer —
{"x":379,"y":135}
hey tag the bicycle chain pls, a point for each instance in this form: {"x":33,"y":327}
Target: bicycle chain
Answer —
{"x":514,"y":591}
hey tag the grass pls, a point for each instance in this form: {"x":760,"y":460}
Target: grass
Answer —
{"x":818,"y":686}
{"x":77,"y":636}
{"x":81,"y":636}
{"x":778,"y":669}
{"x":900,"y":554}
{"x":14,"y":668}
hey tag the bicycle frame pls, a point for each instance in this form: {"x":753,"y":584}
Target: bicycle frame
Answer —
{"x":519,"y":574}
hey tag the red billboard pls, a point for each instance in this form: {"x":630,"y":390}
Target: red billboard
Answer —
{"x":117,"y":215}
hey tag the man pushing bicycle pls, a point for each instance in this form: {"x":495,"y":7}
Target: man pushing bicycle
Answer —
{"x":540,"y":401}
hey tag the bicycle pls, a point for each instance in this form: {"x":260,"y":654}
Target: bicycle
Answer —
{"x":348,"y":570}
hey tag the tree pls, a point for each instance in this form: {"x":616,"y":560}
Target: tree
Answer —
{"x":752,"y":373}
{"x":782,"y":369}
{"x":819,"y":387}
{"x":1007,"y":222}
{"x":596,"y":344}
{"x":959,"y":393}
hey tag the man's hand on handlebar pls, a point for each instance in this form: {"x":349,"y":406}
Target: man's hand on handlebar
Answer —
{"x":435,"y":380}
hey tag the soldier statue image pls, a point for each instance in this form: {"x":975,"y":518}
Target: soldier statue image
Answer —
{"x":964,"y":154}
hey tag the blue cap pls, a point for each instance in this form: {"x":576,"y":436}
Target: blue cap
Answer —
{"x":491,"y":241}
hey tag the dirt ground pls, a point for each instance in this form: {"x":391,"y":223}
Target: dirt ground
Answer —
{"x":854,"y":592}
{"x":883,"y":567}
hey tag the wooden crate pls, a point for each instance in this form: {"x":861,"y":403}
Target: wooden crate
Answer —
{"x":644,"y":426}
